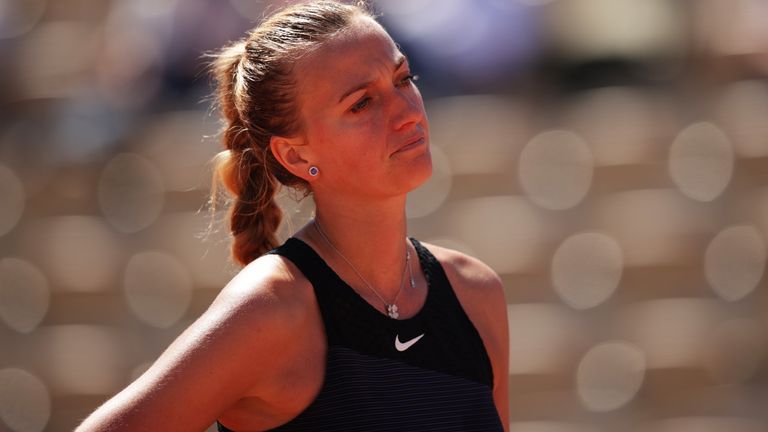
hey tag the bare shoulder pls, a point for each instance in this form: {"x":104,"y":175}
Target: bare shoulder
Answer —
{"x":268,"y":296}
{"x":467,"y":273}
{"x":270,"y":284}
{"x":266,"y":303}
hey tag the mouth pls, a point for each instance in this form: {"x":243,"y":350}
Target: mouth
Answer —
{"x":411,"y":144}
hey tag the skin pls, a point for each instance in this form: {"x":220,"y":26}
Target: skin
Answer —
{"x":372,"y":147}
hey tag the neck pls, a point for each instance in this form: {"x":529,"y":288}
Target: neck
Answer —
{"x":371,"y":235}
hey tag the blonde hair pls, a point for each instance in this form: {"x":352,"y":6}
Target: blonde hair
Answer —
{"x":255,"y":92}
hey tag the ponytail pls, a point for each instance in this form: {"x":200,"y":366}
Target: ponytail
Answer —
{"x":254,"y":215}
{"x":243,"y":169}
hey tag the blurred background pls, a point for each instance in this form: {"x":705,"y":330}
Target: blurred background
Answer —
{"x":608,"y":158}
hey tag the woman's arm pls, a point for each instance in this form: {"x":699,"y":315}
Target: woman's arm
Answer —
{"x":212,"y":364}
{"x":481,"y":294}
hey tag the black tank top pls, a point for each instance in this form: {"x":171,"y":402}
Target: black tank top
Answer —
{"x":429,"y":372}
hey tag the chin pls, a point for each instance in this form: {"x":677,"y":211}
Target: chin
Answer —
{"x":419,"y":170}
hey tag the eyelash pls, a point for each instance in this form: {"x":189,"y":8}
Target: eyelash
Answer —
{"x":362,"y":103}
{"x":410,"y":78}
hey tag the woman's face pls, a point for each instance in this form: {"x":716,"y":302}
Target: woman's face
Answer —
{"x":363,"y":117}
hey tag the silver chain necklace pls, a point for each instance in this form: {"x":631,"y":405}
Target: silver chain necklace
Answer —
{"x":390,"y":307}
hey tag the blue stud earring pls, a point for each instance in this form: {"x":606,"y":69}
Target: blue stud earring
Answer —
{"x":314,"y":171}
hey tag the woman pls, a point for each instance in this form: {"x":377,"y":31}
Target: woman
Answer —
{"x":349,"y":325}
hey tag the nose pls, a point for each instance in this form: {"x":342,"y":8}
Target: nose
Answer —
{"x":407,"y":109}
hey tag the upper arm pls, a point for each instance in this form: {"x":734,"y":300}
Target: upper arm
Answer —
{"x":209,"y":367}
{"x":481,"y":294}
{"x":498,"y":331}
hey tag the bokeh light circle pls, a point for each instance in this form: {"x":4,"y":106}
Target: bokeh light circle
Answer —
{"x":610,"y":375}
{"x":12,"y":199}
{"x":131,"y":192}
{"x":701,"y":161}
{"x":586,"y":269}
{"x":734,"y":261}
{"x":25,"y":403}
{"x":158,"y":288}
{"x":24,"y":294}
{"x":555,"y":169}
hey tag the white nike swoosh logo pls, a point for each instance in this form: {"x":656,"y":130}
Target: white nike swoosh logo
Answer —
{"x":402,"y":346}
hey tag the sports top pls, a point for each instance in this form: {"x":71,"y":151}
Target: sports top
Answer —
{"x":430,"y":372}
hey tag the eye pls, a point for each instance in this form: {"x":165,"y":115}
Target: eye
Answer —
{"x":408,"y":79}
{"x":361,"y":104}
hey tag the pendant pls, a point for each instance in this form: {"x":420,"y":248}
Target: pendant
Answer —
{"x":392,"y":311}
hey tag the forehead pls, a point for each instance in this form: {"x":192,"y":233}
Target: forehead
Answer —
{"x":350,"y":57}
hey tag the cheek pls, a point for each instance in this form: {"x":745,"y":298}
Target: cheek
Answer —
{"x":329,"y":138}
{"x":363,"y":136}
{"x":417,"y":99}
{"x":349,"y":142}
{"x":347,"y":147}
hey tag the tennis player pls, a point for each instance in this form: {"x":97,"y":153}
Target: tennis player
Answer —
{"x":349,"y":325}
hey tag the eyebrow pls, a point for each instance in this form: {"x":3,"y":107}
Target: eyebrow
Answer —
{"x":400,"y":61}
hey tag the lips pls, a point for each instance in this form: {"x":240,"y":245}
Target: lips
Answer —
{"x":411,"y":143}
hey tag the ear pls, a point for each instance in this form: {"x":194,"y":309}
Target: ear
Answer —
{"x":292,"y":153}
